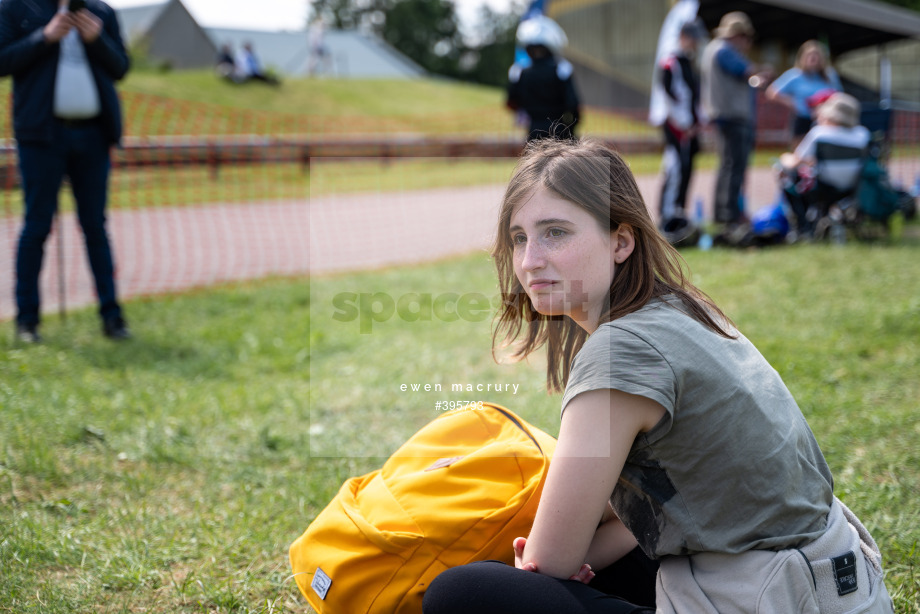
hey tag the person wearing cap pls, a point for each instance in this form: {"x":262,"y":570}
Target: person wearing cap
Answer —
{"x":827,"y":164}
{"x":729,"y":80}
{"x":811,"y":79}
{"x":544,"y":90}
{"x":680,"y":84}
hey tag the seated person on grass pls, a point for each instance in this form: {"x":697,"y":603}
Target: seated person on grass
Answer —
{"x":250,"y":67}
{"x":827,"y":164}
{"x":685,"y":473}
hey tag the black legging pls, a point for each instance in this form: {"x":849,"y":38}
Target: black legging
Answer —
{"x":678,"y":167}
{"x":821,"y":196}
{"x":492,"y":587}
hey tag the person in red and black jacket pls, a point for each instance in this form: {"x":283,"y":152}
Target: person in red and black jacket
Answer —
{"x":681,"y":85}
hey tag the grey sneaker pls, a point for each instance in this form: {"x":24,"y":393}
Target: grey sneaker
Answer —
{"x":27,"y":334}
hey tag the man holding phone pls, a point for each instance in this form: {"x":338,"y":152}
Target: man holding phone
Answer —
{"x":65,"y":57}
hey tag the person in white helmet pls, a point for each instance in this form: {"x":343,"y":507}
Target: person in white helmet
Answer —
{"x":544,"y":90}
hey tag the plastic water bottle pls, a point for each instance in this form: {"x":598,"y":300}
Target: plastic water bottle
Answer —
{"x":915,"y":190}
{"x":705,"y":241}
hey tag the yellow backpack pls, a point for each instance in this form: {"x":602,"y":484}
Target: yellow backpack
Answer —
{"x":459,"y":490}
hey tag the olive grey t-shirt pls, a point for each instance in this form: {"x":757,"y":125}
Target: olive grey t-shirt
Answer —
{"x":732,"y":466}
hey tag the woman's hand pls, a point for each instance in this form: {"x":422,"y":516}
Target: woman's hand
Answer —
{"x":518,"y":546}
{"x":584,"y":575}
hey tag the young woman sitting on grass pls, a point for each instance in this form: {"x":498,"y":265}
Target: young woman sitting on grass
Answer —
{"x":678,"y":443}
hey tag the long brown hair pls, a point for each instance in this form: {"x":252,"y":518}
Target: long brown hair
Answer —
{"x":591,"y":176}
{"x":814,"y":45}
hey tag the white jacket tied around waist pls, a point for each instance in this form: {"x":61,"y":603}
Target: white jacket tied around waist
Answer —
{"x":838,"y":573}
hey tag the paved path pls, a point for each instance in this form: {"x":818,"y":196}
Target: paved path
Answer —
{"x":161,"y":250}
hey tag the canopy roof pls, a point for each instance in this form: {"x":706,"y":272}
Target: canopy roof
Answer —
{"x":844,"y":25}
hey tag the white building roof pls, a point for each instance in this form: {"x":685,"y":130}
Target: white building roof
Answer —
{"x":352,"y":55}
{"x":136,"y":21}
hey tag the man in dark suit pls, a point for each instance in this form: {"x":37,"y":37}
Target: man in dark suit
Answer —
{"x":64,"y":58}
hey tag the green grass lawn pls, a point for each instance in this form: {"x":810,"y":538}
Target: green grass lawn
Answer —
{"x":172,"y":472}
{"x":319,"y":97}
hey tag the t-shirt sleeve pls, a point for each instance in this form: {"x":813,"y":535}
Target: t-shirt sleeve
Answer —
{"x":785,"y":82}
{"x":732,"y":62}
{"x":617,"y":359}
{"x":806,"y":148}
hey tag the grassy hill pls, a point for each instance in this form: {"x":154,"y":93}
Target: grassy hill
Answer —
{"x":197,"y":102}
{"x":320,"y":97}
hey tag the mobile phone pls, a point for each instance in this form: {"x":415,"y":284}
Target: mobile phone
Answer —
{"x":75,"y":5}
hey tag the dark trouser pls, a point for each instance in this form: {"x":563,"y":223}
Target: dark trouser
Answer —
{"x":817,"y":199}
{"x":677,"y":165}
{"x":801,"y":125}
{"x":81,"y":152}
{"x":734,"y":141}
{"x":491,"y":587}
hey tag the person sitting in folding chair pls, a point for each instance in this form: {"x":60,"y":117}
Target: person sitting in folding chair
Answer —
{"x":827,"y":164}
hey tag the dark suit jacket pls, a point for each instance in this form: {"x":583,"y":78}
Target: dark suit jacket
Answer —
{"x":32,"y":62}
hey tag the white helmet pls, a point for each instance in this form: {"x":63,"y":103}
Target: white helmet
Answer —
{"x":542,"y":30}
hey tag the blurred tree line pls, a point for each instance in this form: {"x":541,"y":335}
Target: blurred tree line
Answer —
{"x":908,"y":4}
{"x":429,"y":33}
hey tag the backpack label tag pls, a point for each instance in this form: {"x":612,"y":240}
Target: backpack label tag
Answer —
{"x":321,"y":583}
{"x":444,"y":462}
{"x":845,"y":573}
